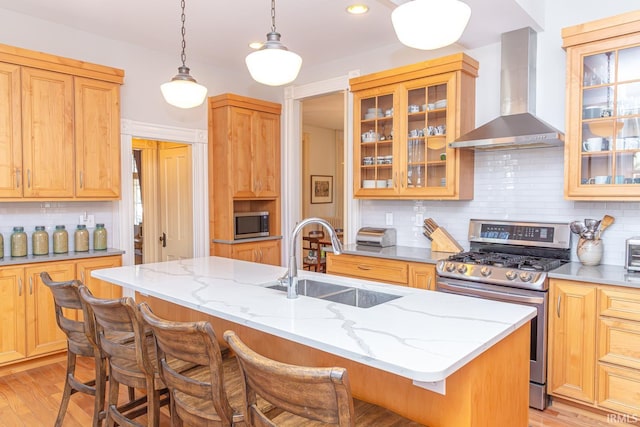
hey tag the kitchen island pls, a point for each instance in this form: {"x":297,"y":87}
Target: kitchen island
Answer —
{"x":440,"y":359}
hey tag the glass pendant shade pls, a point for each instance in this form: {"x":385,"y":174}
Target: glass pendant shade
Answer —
{"x":430,"y":24}
{"x":273,"y":64}
{"x":183,"y":91}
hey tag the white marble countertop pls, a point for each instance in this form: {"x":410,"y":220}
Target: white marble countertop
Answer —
{"x":424,"y":335}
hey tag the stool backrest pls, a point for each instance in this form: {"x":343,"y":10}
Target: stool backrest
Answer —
{"x":66,"y":297}
{"x":116,"y":319}
{"x":195,"y":343}
{"x":321,"y":394}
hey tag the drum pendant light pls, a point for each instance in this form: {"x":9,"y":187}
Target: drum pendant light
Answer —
{"x":273,"y":64}
{"x":430,"y":24}
{"x":183,"y":91}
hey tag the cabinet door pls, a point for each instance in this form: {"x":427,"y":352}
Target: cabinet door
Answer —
{"x":266,"y":154}
{"x":99,"y":288}
{"x":13,"y":344}
{"x":47,"y":133}
{"x":245,"y":252}
{"x":603,"y":120}
{"x":97,"y":138}
{"x":572,"y":346}
{"x":242,"y":178}
{"x":43,"y":334}
{"x":10,"y":132}
{"x":428,"y":165}
{"x":422,"y":276}
{"x":269,"y":252}
{"x":376,"y":136}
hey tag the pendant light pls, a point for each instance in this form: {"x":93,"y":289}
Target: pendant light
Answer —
{"x":183,"y":91}
{"x":430,"y":24}
{"x":273,"y":64}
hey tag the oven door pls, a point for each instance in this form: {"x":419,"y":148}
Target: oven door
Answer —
{"x":536,"y":299}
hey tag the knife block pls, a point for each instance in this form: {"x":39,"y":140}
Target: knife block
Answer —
{"x":442,"y":241}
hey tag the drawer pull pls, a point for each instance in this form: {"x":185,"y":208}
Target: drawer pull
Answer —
{"x":364,"y":267}
{"x":558,"y":306}
{"x":30,"y":285}
{"x":19,"y":286}
{"x":18,"y":176}
{"x":28,"y":178}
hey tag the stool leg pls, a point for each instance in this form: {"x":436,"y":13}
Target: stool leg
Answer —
{"x":101,"y":375}
{"x":114,"y":387}
{"x":66,"y":394}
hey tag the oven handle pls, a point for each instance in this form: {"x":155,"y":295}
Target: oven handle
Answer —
{"x":505,"y":296}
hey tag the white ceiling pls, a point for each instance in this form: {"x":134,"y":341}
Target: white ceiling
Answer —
{"x":218,"y":32}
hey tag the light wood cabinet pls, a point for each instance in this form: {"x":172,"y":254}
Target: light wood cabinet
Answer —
{"x":602,"y":147}
{"x":60,"y":128}
{"x":47,"y":131}
{"x":415,"y":275}
{"x":29,"y":329}
{"x":99,"y":288}
{"x":594,"y":345}
{"x":404,"y":120}
{"x":244,"y":173}
{"x":572,"y":323}
{"x":10,"y":131}
{"x":97,"y":137}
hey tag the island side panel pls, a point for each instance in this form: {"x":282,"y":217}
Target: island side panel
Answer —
{"x":491,"y":390}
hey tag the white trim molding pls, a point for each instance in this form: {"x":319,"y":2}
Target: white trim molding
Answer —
{"x":197,"y":138}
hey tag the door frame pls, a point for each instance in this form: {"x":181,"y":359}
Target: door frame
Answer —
{"x":123,"y":209}
{"x":292,"y":155}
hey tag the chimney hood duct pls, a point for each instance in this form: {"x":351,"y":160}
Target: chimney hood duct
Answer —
{"x":517,"y":127}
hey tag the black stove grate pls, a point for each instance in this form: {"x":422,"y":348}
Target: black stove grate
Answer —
{"x":499,"y":259}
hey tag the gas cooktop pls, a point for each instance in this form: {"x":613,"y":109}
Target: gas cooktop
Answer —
{"x":520,"y":262}
{"x":509,"y":253}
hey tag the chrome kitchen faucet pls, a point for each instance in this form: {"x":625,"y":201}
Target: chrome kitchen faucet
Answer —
{"x":292,"y":271}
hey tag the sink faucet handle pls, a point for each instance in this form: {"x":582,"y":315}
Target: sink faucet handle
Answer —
{"x":284,"y":279}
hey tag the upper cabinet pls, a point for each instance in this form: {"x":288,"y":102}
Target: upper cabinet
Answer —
{"x":244,"y":173}
{"x":602,"y":149}
{"x":246,"y":138}
{"x":404,"y":120}
{"x":60,"y":133}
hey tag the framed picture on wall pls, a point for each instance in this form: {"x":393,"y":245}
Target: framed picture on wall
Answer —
{"x":321,"y":189}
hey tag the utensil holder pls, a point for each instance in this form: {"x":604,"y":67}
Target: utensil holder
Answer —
{"x":590,"y":251}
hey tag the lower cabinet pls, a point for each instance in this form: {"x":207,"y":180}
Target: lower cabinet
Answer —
{"x":594,"y":345}
{"x":416,"y":275}
{"x":27,"y":314}
{"x":263,"y":252}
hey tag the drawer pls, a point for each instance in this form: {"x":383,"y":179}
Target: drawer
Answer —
{"x":378,"y":269}
{"x":619,"y":389}
{"x":620,"y":303}
{"x":619,"y":342}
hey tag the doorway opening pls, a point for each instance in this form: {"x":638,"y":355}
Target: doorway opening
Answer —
{"x":323,"y":159}
{"x":162,"y":201}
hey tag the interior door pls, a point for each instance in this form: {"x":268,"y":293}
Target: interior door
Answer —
{"x":176,"y":207}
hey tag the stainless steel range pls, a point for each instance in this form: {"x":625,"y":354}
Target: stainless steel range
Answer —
{"x":508,"y":261}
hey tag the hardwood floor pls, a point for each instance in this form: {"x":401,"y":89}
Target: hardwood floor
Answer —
{"x":31,"y":398}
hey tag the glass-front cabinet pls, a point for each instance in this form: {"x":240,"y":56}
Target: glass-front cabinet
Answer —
{"x":602,"y":153}
{"x":402,"y":130}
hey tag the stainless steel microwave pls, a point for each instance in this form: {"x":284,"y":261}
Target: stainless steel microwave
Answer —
{"x":251,"y":224}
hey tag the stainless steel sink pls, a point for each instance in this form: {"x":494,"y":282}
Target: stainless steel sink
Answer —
{"x":355,"y":297}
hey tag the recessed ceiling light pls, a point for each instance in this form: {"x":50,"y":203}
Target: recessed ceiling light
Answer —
{"x":255,"y":45}
{"x":358,"y":9}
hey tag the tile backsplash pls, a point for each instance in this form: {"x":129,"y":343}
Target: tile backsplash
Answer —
{"x":524,"y":185}
{"x":50,"y":214}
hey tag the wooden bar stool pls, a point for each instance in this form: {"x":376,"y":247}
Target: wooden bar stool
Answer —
{"x":80,"y":342}
{"x":131,"y":363}
{"x":198,"y":397}
{"x":303,"y":393}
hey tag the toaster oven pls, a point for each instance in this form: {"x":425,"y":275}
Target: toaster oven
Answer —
{"x":632,"y":256}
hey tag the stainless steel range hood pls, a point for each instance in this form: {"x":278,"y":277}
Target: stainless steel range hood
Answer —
{"x":517,"y":127}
